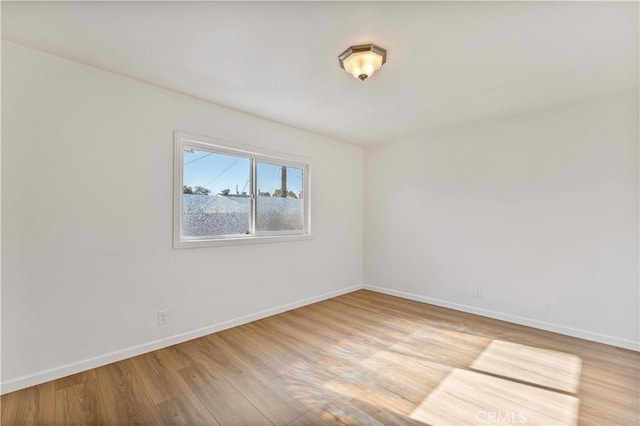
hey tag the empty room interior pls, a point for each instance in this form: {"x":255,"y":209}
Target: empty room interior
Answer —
{"x":311,"y":213}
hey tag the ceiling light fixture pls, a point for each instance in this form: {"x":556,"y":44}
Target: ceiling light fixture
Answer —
{"x":363,"y":60}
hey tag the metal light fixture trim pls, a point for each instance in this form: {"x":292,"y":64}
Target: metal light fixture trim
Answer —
{"x":363,"y":60}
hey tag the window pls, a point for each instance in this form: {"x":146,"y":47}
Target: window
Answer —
{"x":231,"y":194}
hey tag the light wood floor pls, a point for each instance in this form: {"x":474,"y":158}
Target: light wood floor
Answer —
{"x":362,"y":358}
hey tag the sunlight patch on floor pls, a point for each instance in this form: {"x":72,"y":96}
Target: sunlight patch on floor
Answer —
{"x":553,"y":369}
{"x":466,"y":398}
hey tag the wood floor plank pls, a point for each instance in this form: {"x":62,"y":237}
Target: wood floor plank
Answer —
{"x":31,"y":406}
{"x":277,"y":405}
{"x":279,"y":349}
{"x":78,"y":404}
{"x":176,"y":355}
{"x":275,"y":332}
{"x":309,"y":419}
{"x":122,"y":397}
{"x":76,"y":379}
{"x":223,"y":401}
{"x":386,"y":407}
{"x":159,"y":376}
{"x":325,"y":393}
{"x":185,"y":410}
{"x":242,"y":341}
{"x":361,"y":358}
{"x":47,"y":406}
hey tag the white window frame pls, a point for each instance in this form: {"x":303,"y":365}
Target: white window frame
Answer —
{"x":184,"y":140}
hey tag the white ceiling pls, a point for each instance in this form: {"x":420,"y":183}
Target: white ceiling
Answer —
{"x":447,"y":62}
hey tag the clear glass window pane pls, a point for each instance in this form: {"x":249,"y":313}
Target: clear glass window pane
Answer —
{"x":279,"y":205}
{"x":215,"y":194}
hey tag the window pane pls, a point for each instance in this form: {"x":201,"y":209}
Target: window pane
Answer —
{"x":279,"y":205}
{"x":214,"y":194}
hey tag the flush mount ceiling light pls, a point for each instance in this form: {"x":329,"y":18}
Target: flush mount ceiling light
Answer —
{"x":363,"y":60}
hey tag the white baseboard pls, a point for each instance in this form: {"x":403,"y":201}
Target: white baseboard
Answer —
{"x":87,"y":364}
{"x":556,"y":328}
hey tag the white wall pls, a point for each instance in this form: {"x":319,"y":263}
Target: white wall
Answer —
{"x":87,"y":221}
{"x":540,"y":210}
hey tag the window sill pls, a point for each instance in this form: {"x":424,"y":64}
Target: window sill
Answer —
{"x":240,"y":241}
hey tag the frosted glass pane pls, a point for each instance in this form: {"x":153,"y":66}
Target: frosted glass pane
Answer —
{"x":280,"y":205}
{"x":215,"y":198}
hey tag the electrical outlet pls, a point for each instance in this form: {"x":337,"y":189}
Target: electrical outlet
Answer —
{"x":477,"y":292}
{"x":163,"y":317}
